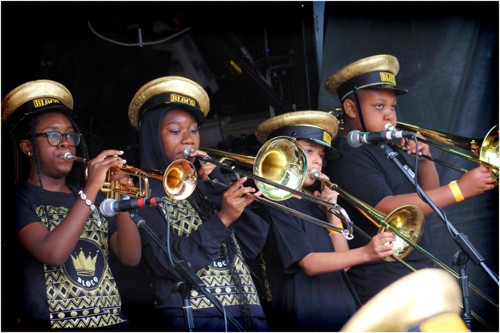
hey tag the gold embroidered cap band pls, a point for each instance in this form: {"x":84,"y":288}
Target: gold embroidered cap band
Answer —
{"x":33,"y":97}
{"x":377,"y":71}
{"x":169,"y":90}
{"x":317,"y":126}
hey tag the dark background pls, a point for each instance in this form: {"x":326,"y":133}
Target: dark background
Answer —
{"x":284,"y":52}
{"x":93,"y":48}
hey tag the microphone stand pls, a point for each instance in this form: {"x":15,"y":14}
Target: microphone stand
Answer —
{"x":467,"y":250}
{"x":192,"y":281}
{"x":460,"y":260}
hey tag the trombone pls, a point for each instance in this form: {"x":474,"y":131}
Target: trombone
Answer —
{"x":179,"y":180}
{"x":482,"y":151}
{"x":394,"y":221}
{"x":406,"y":221}
{"x":279,"y":171}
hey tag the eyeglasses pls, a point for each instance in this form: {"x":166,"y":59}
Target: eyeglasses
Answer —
{"x":55,"y":138}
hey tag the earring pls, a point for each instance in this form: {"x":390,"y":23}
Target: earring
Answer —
{"x":29,"y":154}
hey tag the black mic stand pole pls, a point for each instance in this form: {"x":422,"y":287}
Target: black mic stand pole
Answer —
{"x":191,"y":279}
{"x":460,"y":260}
{"x":467,"y":250}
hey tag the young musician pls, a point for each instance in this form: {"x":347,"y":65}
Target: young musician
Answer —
{"x":306,"y":262}
{"x":369,"y":94}
{"x":64,"y":240}
{"x":211,"y":230}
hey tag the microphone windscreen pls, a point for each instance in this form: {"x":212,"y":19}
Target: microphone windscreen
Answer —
{"x":353,"y":139}
{"x":106,"y":207}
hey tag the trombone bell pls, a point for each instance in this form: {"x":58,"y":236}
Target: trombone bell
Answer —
{"x":280,"y":160}
{"x":283,"y":161}
{"x":273,"y":163}
{"x":408,"y":220}
{"x":484,"y":152}
{"x":489,"y":151}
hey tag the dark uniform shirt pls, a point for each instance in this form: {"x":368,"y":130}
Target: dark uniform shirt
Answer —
{"x":369,"y":175}
{"x":301,"y":302}
{"x":215,"y":253}
{"x":81,"y":293}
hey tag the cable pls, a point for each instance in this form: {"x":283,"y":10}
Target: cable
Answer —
{"x":141,"y":43}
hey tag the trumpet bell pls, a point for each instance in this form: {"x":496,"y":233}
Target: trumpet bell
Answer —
{"x":409,"y":221}
{"x":283,"y":161}
{"x":179,"y":179}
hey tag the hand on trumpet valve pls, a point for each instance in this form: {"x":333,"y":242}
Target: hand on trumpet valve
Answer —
{"x":121,"y":177}
{"x":235,"y":200}
{"x":98,"y":167}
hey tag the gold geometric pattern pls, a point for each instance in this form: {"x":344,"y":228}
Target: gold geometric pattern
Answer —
{"x":71,"y":305}
{"x":221,"y":284}
{"x":217,"y":276}
{"x":182,"y":215}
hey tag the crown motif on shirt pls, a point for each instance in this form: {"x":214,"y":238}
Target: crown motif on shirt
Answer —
{"x":84,"y":266}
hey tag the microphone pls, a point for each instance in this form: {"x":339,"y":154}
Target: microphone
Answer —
{"x":357,"y":138}
{"x":111,"y":207}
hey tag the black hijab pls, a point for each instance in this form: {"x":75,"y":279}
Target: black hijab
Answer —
{"x":151,"y":153}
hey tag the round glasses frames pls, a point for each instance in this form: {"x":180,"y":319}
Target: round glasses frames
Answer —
{"x":55,"y":138}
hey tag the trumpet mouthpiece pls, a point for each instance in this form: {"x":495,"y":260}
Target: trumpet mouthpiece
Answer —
{"x":69,"y":157}
{"x":314,"y":173}
{"x":389,"y":127}
{"x":187,"y":152}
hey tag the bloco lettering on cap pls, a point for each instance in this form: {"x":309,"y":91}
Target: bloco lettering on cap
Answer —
{"x":169,"y":91}
{"x":377,"y":71}
{"x":316,"y":126}
{"x":33,"y":97}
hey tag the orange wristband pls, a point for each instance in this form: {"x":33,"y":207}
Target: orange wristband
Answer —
{"x":333,"y":232}
{"x":455,"y":189}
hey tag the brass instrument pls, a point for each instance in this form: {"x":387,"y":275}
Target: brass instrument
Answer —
{"x":179,"y":180}
{"x":407,"y":221}
{"x":255,"y":160}
{"x":347,"y":233}
{"x":482,"y":151}
{"x":279,"y":171}
{"x":280,"y":160}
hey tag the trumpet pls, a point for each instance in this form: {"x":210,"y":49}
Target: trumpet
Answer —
{"x":482,"y":151}
{"x":406,"y":221}
{"x":179,"y":180}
